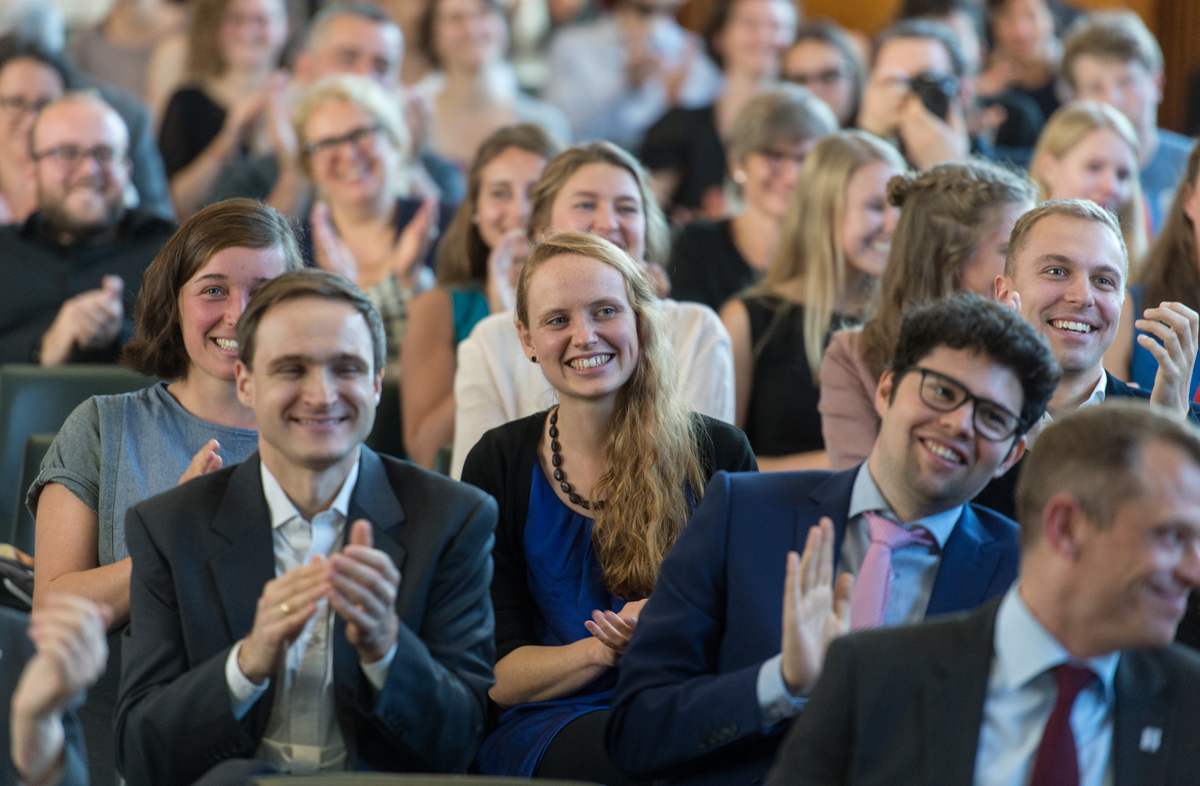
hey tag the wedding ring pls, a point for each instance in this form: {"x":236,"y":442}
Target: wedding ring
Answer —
{"x":286,"y":609}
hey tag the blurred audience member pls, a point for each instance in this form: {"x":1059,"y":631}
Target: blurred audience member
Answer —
{"x":355,"y":150}
{"x":343,"y":38}
{"x":711,"y":261}
{"x":615,"y":76}
{"x":1112,"y":58}
{"x":478,"y":262}
{"x":478,"y":94}
{"x":952,"y":234}
{"x":1171,"y":272}
{"x":1070,"y":678}
{"x":824,"y":275}
{"x":734,"y":636}
{"x":827,"y":61}
{"x":685,"y":149}
{"x":119,"y":49}
{"x":30,"y":77}
{"x":60,"y":651}
{"x":233,"y":103}
{"x":1025,"y":53}
{"x":408,"y":14}
{"x":601,"y":189}
{"x":70,"y":273}
{"x":917,"y":94}
{"x":33,"y":21}
{"x":1088,"y":150}
{"x":577,"y":556}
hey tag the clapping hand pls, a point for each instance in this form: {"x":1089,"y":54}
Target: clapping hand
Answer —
{"x":504,"y":267}
{"x":88,"y":320}
{"x":816,"y":610}
{"x":363,"y":584}
{"x":206,"y":460}
{"x":1176,"y":326}
{"x":329,"y":250}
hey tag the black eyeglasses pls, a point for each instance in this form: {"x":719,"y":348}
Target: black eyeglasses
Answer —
{"x":72,"y":156}
{"x":826,"y":78}
{"x":357,"y":137}
{"x":23,"y":104}
{"x":944,"y":394}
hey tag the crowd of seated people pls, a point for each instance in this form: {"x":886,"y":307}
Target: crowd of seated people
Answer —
{"x":721,"y":337}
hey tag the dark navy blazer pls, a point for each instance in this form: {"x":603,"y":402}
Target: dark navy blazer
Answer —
{"x":686,"y":705}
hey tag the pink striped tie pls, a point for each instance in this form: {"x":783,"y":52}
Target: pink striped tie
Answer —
{"x":873,"y":585}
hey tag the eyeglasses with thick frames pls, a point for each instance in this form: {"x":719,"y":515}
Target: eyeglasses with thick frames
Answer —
{"x":22,"y":104}
{"x":992,"y":421}
{"x":358,"y":137}
{"x":827,"y":78}
{"x":71,"y":156}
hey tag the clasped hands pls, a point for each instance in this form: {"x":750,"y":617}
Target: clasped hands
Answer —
{"x":816,"y":609}
{"x":360,"y":583}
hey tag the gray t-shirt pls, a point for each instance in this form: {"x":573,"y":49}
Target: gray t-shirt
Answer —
{"x":115,"y":451}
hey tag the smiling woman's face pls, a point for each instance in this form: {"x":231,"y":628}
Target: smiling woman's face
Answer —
{"x":603,"y":200}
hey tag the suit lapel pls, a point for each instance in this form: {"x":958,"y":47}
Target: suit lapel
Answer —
{"x":831,"y":498}
{"x":953,"y":701}
{"x":248,"y":563}
{"x":1144,"y":723}
{"x":965,"y":570}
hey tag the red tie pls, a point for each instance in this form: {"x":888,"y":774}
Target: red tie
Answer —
{"x":1057,"y":762}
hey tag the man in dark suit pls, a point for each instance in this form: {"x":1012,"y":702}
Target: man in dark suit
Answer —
{"x":1069,"y":679}
{"x":337,"y":662}
{"x":708,"y":682}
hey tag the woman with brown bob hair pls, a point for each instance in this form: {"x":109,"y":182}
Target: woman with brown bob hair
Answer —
{"x":952,"y":234}
{"x":592,"y":495}
{"x":478,"y":260}
{"x":114,"y":451}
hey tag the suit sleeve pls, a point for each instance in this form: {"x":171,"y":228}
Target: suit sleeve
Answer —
{"x":174,"y":719}
{"x":671,"y":707}
{"x":816,"y":751}
{"x":432,"y":707}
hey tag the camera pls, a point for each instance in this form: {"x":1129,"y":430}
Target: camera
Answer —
{"x":936,"y":91}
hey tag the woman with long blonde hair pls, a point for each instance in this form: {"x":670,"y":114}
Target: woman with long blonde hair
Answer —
{"x":832,"y":250}
{"x":592,"y":494}
{"x":955,"y":220}
{"x":1089,"y":150}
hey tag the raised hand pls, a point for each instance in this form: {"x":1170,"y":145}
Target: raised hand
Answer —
{"x":285,"y":606}
{"x":1176,"y":326}
{"x":88,"y":320}
{"x":329,"y":250}
{"x":928,"y":139}
{"x":364,"y":582}
{"x":411,"y":248}
{"x":615,"y":629}
{"x":281,"y":134}
{"x":503,"y":268}
{"x":206,"y":460}
{"x":815,"y":609}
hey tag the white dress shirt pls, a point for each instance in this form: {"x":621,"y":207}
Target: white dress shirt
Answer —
{"x":302,"y":734}
{"x":1020,"y":696}
{"x":914,"y":571}
{"x":495,"y":383}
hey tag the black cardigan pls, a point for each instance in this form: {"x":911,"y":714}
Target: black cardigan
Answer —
{"x":502,"y":463}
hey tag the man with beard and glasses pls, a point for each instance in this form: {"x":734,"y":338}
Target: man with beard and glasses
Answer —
{"x":69,"y":275}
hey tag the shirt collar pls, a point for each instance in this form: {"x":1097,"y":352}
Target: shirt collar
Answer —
{"x":281,"y":507}
{"x":866,"y":497}
{"x":1024,"y":649}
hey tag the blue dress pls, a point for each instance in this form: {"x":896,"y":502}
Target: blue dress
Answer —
{"x":566,"y":581}
{"x":1142,"y":365}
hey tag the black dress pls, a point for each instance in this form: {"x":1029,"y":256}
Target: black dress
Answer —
{"x":782,"y":417}
{"x":686,"y":140}
{"x":706,"y":267}
{"x":190,"y":124}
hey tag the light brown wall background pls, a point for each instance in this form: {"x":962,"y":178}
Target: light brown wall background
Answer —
{"x":1175,"y":22}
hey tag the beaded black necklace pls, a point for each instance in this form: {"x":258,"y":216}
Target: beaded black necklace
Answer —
{"x":556,"y":461}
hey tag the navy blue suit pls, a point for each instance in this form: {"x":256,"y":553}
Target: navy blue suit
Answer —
{"x":686,"y":705}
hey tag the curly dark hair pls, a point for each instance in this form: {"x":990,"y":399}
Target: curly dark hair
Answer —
{"x":964,"y":320}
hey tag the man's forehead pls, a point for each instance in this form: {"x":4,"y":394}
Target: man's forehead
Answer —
{"x":914,"y":54}
{"x":1072,"y":240}
{"x":361,"y":33}
{"x":81,"y":122}
{"x":28,"y":73}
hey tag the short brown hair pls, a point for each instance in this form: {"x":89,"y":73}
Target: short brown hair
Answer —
{"x":309,"y":283}
{"x":1111,"y":35}
{"x":1095,"y":455}
{"x":157,"y":348}
{"x":785,"y":113}
{"x":1072,"y":208}
{"x":559,"y":171}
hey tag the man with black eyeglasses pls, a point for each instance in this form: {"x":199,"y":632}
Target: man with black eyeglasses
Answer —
{"x":69,"y":275}
{"x":711,"y":680}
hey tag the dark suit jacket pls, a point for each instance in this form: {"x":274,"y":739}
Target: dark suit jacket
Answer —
{"x":15,"y":651}
{"x":686,"y":705}
{"x":201,"y":555}
{"x":904,"y":706}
